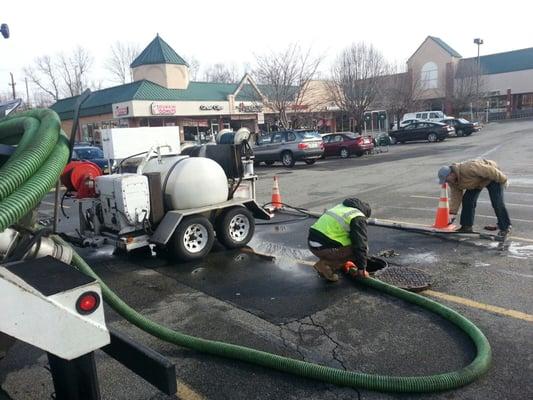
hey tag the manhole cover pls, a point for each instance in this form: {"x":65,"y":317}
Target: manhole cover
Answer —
{"x":407,"y":278}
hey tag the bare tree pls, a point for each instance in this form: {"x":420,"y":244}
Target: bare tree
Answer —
{"x":469,"y":85}
{"x":194,"y":67}
{"x":119,"y":61}
{"x":401,"y":92}
{"x":286,"y":78}
{"x":222,"y":73}
{"x":45,"y":75}
{"x":356,"y":79}
{"x":61,"y":75}
{"x":74,"y":70}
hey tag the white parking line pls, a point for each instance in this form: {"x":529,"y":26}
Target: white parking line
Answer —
{"x":433,"y":210}
{"x":479,"y":201}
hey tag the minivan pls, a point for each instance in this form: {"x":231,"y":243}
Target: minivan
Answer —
{"x":434,"y":116}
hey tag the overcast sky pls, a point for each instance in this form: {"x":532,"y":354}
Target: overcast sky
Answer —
{"x":233,"y":31}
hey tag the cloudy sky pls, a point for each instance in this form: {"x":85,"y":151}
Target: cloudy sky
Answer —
{"x":233,"y":31}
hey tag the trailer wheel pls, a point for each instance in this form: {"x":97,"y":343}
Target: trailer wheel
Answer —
{"x":192,"y":239}
{"x":235,"y":227}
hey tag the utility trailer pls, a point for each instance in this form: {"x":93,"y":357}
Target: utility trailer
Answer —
{"x":172,"y":199}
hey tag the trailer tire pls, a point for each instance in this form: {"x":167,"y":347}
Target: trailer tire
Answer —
{"x":235,"y":227}
{"x":193,"y":238}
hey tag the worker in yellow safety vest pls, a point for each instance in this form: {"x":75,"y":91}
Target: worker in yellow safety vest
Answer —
{"x":340,"y":235}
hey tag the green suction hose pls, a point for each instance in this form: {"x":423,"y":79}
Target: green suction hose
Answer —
{"x":34,"y":159}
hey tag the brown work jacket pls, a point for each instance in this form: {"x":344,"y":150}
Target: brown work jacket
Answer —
{"x":473,"y":174}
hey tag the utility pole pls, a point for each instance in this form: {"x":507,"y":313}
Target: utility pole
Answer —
{"x":12,"y":84}
{"x":27,"y":93}
{"x":479,"y":42}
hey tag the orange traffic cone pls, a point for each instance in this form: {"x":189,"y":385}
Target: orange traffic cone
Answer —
{"x":442,"y":218}
{"x":276,"y":196}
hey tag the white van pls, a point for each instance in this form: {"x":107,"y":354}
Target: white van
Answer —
{"x":434,"y":116}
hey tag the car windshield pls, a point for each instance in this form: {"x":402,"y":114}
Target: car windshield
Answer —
{"x":463,"y":121}
{"x":89,"y":153}
{"x":309,"y":135}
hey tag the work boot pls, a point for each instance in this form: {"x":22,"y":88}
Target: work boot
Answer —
{"x":503,"y":233}
{"x":325,"y":271}
{"x":465,"y":229}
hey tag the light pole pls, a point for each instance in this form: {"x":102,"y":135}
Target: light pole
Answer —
{"x":479,"y":42}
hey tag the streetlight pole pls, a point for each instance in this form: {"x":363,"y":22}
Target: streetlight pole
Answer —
{"x":479,"y":42}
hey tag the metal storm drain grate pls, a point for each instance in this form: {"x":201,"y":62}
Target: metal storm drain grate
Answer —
{"x":407,"y":278}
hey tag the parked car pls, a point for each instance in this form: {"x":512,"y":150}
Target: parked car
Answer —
{"x":434,"y":116}
{"x":462,"y":126}
{"x":344,"y":144}
{"x":430,"y":131}
{"x":90,"y":153}
{"x":404,"y":123}
{"x":289,"y":147}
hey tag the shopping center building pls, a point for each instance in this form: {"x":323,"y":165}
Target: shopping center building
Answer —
{"x":162,"y":94}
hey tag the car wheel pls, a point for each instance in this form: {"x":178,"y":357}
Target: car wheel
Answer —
{"x":192,"y":239}
{"x":344,"y":153}
{"x":459,"y":132}
{"x":269,"y":163}
{"x":310,"y":162}
{"x":287,"y":159}
{"x":235,"y":227}
{"x":393,"y":140}
{"x":432,"y":137}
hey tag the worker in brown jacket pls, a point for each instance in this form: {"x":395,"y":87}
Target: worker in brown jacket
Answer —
{"x":466,"y":181}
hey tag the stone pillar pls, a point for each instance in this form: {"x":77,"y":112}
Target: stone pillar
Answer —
{"x":509,"y":105}
{"x":333,"y":123}
{"x":448,"y":89}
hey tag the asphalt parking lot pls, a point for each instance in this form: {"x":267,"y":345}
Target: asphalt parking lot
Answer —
{"x":279,"y":304}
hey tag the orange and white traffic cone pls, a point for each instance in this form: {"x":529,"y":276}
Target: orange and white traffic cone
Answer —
{"x":442,"y":217}
{"x":276,"y":196}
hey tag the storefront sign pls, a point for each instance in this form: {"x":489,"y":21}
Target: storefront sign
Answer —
{"x":194,"y":122}
{"x":210,"y":107}
{"x":163,"y":109}
{"x":298,"y":107}
{"x":121,"y":111}
{"x":252,"y":108}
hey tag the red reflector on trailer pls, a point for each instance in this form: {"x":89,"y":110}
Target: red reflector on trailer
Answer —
{"x":87,"y":303}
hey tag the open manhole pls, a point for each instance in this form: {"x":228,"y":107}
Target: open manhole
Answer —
{"x":407,"y":278}
{"x":374,"y":264}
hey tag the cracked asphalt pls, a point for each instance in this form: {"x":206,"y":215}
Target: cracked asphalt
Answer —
{"x":280,"y":305}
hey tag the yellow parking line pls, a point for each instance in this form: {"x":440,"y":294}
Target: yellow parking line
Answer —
{"x":185,"y":392}
{"x":455,"y":299}
{"x":481,"y":306}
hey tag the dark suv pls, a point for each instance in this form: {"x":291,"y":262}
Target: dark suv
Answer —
{"x":289,"y":147}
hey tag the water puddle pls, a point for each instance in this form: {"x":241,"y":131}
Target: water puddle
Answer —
{"x":420,"y":258}
{"x":516,"y":250}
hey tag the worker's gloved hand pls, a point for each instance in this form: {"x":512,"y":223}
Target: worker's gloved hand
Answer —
{"x":351,"y":269}
{"x":362,"y":273}
{"x":506,"y":184}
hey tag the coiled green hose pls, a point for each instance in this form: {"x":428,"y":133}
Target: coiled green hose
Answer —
{"x":35,"y":166}
{"x":33,"y":160}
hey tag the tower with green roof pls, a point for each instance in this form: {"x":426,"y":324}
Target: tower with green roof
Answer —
{"x":159,"y":63}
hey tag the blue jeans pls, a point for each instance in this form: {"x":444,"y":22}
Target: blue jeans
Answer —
{"x":496,"y":198}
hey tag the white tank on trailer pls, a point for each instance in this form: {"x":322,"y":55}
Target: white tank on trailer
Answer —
{"x":192,"y":181}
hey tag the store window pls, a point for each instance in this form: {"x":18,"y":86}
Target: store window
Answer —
{"x":429,"y":75}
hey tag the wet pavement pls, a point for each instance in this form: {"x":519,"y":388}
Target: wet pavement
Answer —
{"x":281,"y":305}
{"x":274,"y":300}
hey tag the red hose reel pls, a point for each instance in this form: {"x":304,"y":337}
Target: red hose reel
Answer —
{"x":78,"y":176}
